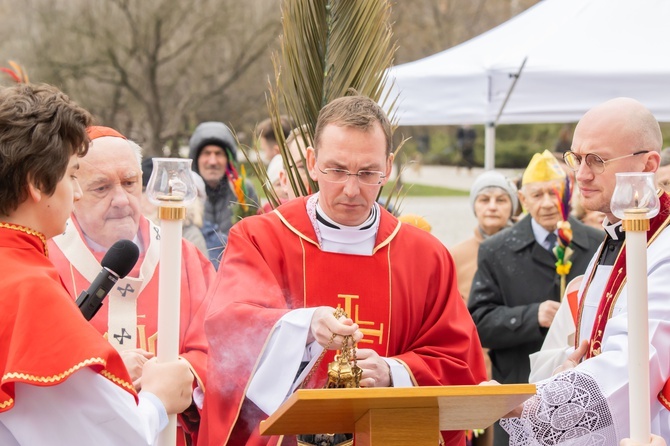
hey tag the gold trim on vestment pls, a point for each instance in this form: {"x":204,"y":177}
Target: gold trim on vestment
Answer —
{"x":383,"y":243}
{"x":409,"y":371}
{"x":61,"y":376}
{"x":117,"y":380}
{"x":663,"y":399}
{"x":304,"y":274}
{"x":246,"y":386}
{"x":267,"y":339}
{"x":195,"y":374}
{"x":623,"y":282}
{"x":29,"y":232}
{"x":390,"y":303}
{"x":8,"y":403}
{"x":663,"y":226}
{"x":294,"y":230}
{"x":582,"y":299}
{"x":583,"y":295}
{"x":388,"y":239}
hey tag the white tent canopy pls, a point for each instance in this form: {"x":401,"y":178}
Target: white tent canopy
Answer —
{"x":577,"y":53}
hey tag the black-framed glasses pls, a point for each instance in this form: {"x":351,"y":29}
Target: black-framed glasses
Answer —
{"x":367,"y":177}
{"x":595,"y":162}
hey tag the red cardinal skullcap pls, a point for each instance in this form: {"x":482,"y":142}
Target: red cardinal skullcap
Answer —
{"x":98,"y":131}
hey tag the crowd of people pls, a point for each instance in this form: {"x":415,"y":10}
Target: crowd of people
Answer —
{"x":267,"y":300}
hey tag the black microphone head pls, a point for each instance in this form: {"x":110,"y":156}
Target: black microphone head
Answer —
{"x":121,"y":257}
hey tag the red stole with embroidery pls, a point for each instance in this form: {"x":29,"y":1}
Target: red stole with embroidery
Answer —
{"x":613,"y":288}
{"x":366,"y":301}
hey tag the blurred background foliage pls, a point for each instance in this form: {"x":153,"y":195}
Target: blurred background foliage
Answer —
{"x":515,"y":144}
{"x":155,"y":69}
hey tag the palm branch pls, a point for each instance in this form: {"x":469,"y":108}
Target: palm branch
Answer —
{"x":327,"y":47}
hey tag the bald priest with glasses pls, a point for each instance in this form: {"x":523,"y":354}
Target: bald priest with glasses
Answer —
{"x":587,"y":401}
{"x":284,"y":274}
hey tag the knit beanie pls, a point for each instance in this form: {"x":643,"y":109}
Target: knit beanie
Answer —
{"x":491,"y":178}
{"x":212,"y":133}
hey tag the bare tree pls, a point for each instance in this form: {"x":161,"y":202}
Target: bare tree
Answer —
{"x":153,"y":68}
{"x":425,"y":27}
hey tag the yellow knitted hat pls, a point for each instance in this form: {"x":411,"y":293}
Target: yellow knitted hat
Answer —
{"x":543,"y":167}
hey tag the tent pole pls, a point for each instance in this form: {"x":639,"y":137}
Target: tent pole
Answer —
{"x":511,"y":89}
{"x":489,"y":145}
{"x":490,"y":130}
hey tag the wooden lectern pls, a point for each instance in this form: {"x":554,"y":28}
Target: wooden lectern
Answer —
{"x":395,"y":416}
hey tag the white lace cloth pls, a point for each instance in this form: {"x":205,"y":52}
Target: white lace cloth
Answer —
{"x":569,"y":409}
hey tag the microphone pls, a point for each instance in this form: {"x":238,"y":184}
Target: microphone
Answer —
{"x":116,"y":264}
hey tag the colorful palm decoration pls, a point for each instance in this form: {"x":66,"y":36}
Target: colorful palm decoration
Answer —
{"x":562,"y":250}
{"x":16,"y":72}
{"x":241,"y":208}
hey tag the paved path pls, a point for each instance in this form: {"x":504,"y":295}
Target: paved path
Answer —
{"x":452,"y":218}
{"x":449,"y":176}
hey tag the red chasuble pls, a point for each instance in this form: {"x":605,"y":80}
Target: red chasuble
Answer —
{"x":43,"y":337}
{"x":197,"y":273}
{"x":404,"y":297}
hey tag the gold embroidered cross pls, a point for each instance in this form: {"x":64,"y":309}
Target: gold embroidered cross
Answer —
{"x":355,"y":316}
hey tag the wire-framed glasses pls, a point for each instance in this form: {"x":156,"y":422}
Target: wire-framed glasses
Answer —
{"x":595,"y":162}
{"x":367,"y":177}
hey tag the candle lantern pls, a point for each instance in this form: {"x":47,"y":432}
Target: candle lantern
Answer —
{"x":171,"y":188}
{"x":635,"y":201}
{"x":171,"y":184}
{"x":635,"y":197}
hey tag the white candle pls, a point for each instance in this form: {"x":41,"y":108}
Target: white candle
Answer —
{"x":638,"y":336}
{"x":169,"y":286}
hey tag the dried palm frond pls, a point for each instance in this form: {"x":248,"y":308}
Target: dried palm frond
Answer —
{"x":327,"y":48}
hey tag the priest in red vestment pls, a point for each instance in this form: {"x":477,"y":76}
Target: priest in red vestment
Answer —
{"x":110,"y":176}
{"x":62,"y":383}
{"x":283,"y":275}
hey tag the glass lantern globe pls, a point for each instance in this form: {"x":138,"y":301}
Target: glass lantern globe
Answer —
{"x":635,"y":196}
{"x":171,"y":183}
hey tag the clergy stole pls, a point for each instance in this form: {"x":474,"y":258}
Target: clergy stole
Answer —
{"x":614,"y":286}
{"x":123,"y":331}
{"x":361,"y":285}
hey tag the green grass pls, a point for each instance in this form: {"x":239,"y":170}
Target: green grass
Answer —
{"x":409,"y":190}
{"x":421,"y":190}
{"x":256,"y":183}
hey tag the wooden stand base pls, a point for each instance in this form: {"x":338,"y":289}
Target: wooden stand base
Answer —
{"x":395,"y":416}
{"x":398,"y":427}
